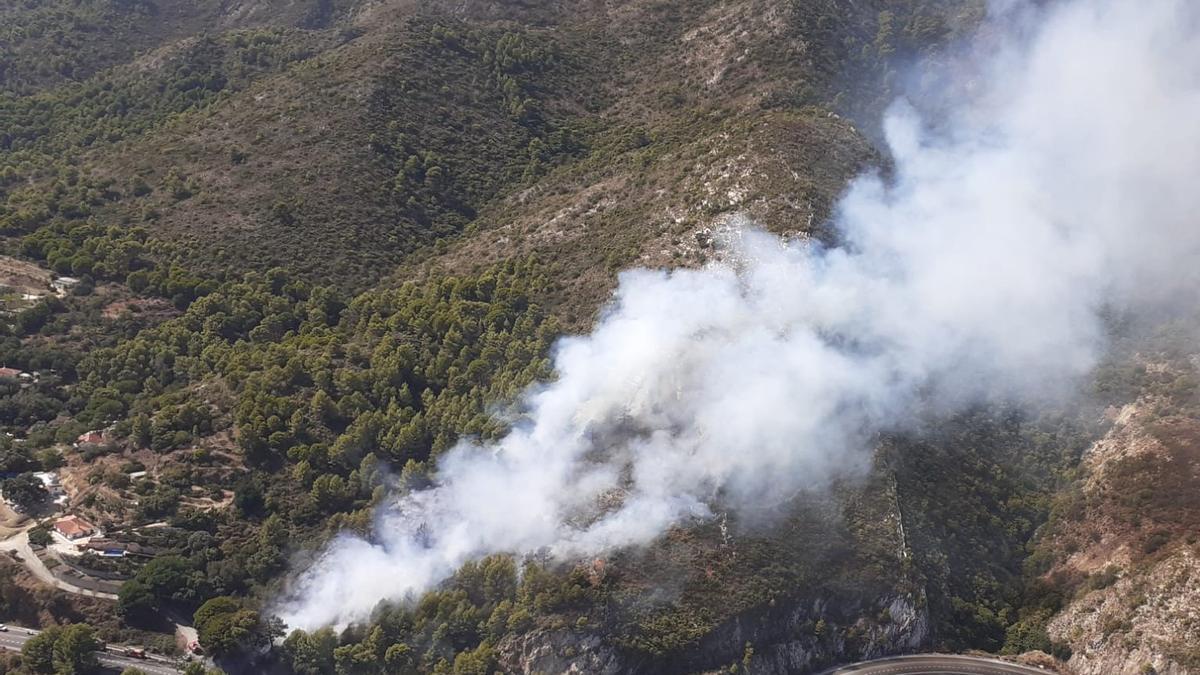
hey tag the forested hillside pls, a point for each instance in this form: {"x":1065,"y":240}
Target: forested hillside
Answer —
{"x":302,"y":248}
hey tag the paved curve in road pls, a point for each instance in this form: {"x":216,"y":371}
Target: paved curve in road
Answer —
{"x":19,"y":544}
{"x":15,"y":638}
{"x":936,"y":664}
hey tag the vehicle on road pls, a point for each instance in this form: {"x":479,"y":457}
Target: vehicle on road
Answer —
{"x":3,"y":628}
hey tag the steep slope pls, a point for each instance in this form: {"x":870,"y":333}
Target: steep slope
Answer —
{"x":1121,"y":548}
{"x":405,"y":122}
{"x":495,"y":164}
{"x":47,"y":44}
{"x":364,"y":153}
{"x":712,"y":109}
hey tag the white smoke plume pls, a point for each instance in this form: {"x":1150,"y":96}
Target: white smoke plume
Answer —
{"x":1067,"y":183}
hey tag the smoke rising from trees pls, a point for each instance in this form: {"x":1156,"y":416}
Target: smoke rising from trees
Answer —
{"x":1062,"y":186}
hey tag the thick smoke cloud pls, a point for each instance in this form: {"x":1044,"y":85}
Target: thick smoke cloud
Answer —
{"x":1063,"y":185}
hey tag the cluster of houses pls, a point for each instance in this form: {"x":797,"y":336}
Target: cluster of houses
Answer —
{"x":88,"y":537}
{"x":23,"y":377}
{"x":71,"y":527}
{"x":60,"y":287}
{"x":14,"y":373}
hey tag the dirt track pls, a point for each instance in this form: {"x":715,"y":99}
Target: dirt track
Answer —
{"x":11,"y":522}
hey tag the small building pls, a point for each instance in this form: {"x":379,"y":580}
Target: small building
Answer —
{"x":112,"y":548}
{"x":63,"y":284}
{"x":74,"y":527}
{"x":90,"y":438}
{"x":11,"y":372}
{"x":53,"y":486}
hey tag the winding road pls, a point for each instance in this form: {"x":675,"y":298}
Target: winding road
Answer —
{"x":14,"y":638}
{"x":19,"y":544}
{"x":936,"y":664}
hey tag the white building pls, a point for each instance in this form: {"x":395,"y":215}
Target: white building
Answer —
{"x":62,"y":285}
{"x":53,"y":486}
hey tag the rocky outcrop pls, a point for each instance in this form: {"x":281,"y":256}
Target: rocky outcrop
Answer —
{"x":898,"y":626}
{"x":562,"y":651}
{"x":786,"y":637}
{"x":1146,"y":622}
{"x":1129,"y":538}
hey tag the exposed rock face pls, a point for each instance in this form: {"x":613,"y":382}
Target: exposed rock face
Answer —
{"x":561,"y":651}
{"x":798,"y":636}
{"x":545,"y":651}
{"x":905,"y":629}
{"x":1147,"y":618}
{"x":1133,"y":539}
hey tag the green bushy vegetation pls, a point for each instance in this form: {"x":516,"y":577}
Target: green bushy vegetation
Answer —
{"x":48,"y":189}
{"x":451,"y":630}
{"x":69,"y":649}
{"x":974,"y":494}
{"x":460,"y":627}
{"x":440,"y":180}
{"x":398,"y":372}
{"x":1144,"y":503}
{"x":319,"y":390}
{"x":51,"y":43}
{"x":43,"y":43}
{"x":276,"y":392}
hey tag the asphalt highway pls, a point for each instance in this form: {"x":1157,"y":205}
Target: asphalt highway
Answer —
{"x":15,"y":638}
{"x":936,"y":664}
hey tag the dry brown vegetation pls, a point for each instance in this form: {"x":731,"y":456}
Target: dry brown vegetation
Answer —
{"x":1122,"y":543}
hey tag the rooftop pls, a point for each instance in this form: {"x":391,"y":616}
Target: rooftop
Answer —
{"x":74,"y":526}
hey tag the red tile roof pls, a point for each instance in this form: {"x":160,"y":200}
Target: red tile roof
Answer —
{"x":90,"y":437}
{"x":72,"y":527}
